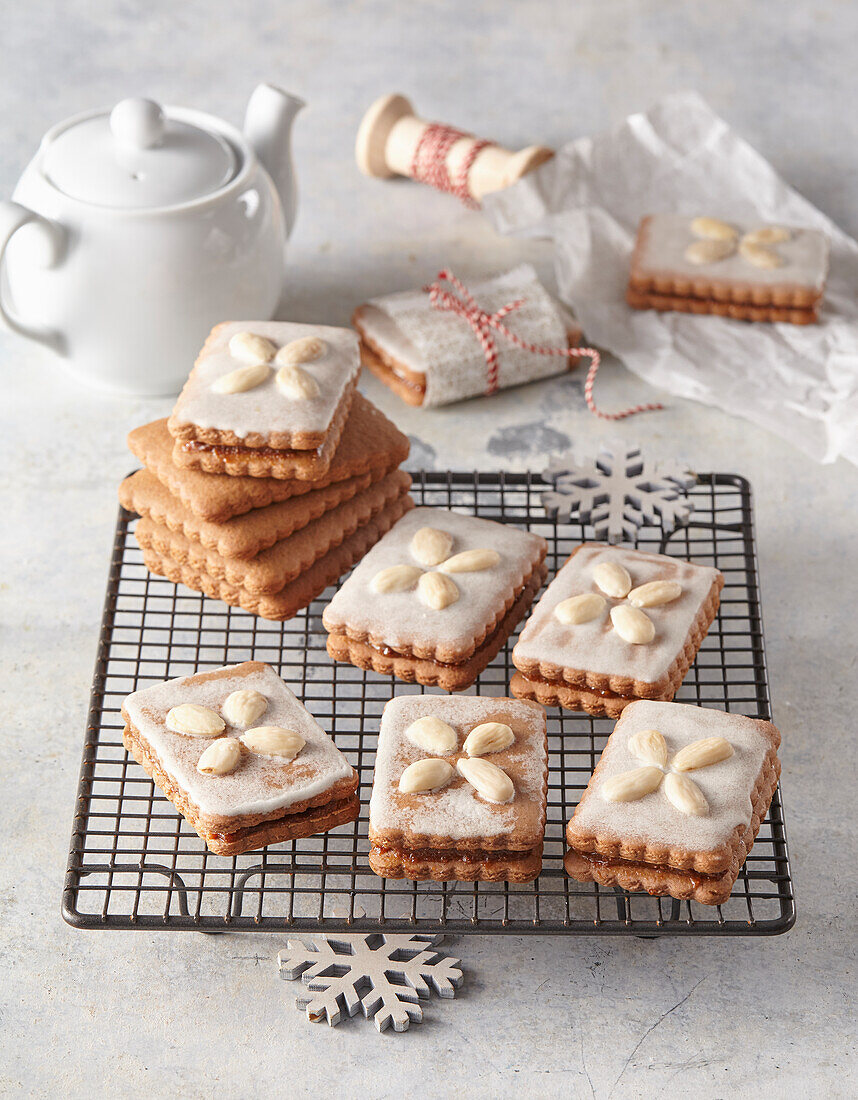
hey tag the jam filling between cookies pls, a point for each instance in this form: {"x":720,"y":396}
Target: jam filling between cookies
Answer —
{"x":433,"y":855}
{"x":302,"y":815}
{"x":696,"y":878}
{"x":558,"y":681}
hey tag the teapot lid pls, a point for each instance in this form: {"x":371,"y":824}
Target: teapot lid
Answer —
{"x":138,"y":157}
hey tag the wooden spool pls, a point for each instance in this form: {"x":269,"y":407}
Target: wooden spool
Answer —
{"x":390,"y":133}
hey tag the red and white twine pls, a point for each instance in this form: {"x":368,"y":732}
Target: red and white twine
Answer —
{"x":485,"y":325}
{"x":429,"y":162}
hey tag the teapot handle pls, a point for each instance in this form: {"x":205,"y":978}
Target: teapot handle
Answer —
{"x":52,"y":239}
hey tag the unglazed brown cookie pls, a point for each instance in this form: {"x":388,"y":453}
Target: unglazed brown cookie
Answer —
{"x":749,"y":272}
{"x":261,"y":772}
{"x":297,"y":593}
{"x":575,"y":650}
{"x":287,"y":559}
{"x":675,"y":802}
{"x":460,"y":789}
{"x":370,"y":445}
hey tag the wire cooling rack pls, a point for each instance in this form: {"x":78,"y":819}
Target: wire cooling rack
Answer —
{"x":135,"y":863}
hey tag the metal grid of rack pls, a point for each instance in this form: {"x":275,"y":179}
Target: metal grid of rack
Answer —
{"x":135,"y":863}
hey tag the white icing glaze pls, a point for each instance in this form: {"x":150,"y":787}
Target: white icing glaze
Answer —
{"x":805,"y":255}
{"x":259,"y":784}
{"x":456,"y":811}
{"x":595,"y":646}
{"x":400,"y":619}
{"x":443,"y":345}
{"x":265,"y":408}
{"x":727,"y":785}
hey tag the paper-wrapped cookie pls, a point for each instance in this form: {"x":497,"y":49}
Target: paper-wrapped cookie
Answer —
{"x":431,"y":354}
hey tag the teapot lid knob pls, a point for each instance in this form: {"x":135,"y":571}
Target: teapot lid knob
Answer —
{"x":137,"y":123}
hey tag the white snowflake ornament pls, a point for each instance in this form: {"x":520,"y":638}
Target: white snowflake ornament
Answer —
{"x":382,"y":976}
{"x":618,"y":491}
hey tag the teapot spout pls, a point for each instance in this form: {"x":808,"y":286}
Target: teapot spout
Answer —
{"x":268,"y":128}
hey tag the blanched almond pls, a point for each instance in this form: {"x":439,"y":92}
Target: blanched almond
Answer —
{"x":273,"y":741}
{"x":655,"y":593}
{"x":713,"y":229}
{"x":220,"y":757}
{"x":305,"y":349}
{"x":759,"y":255}
{"x":767,"y":234}
{"x":632,"y":624}
{"x":425,"y":775}
{"x":437,"y":591}
{"x":195,"y":721}
{"x":250,"y":348}
{"x":630,"y":786}
{"x":395,"y":578}
{"x":242,"y":379}
{"x":297,"y":384}
{"x":685,"y":795}
{"x":580,"y":609}
{"x":433,"y":735}
{"x":489,"y":737}
{"x":243,"y":707}
{"x":649,"y":746}
{"x":487,"y":779}
{"x":471,"y":561}
{"x":431,"y":546}
{"x":613,"y":579}
{"x":700,"y":754}
{"x":709,"y":252}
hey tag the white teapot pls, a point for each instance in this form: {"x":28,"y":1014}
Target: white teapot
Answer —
{"x":133,"y":231}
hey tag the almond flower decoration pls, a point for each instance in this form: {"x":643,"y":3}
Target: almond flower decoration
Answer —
{"x":432,"y":773}
{"x":717,"y":240}
{"x":256,"y":353}
{"x":435,"y":589}
{"x":682,"y":792}
{"x":628,"y":619}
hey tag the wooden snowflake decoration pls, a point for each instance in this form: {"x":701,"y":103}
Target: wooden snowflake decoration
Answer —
{"x":618,"y":491}
{"x":382,"y":976}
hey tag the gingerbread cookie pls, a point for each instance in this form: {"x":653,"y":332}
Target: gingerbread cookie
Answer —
{"x":370,"y":446}
{"x":268,"y":399}
{"x":460,"y":789}
{"x":436,"y":598}
{"x":747,"y":272}
{"x":613,"y":626}
{"x":675,"y":802}
{"x":281,"y":563}
{"x":294,"y":595}
{"x":240,"y":757}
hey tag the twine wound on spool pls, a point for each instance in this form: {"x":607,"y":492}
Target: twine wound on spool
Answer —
{"x":485,"y":325}
{"x":393,"y":141}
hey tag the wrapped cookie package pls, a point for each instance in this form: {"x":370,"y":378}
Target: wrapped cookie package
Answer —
{"x":434,"y":356}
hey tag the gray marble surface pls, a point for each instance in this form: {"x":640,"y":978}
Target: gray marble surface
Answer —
{"x":188,"y":1015}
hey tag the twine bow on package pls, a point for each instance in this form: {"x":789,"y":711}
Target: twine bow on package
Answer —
{"x":800,"y":381}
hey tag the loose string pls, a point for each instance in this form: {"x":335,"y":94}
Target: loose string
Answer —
{"x":485,"y":325}
{"x":429,"y":162}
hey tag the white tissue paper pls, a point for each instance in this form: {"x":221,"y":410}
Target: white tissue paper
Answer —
{"x":800,"y":381}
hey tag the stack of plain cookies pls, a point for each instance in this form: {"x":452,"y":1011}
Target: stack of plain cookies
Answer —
{"x":273,"y":475}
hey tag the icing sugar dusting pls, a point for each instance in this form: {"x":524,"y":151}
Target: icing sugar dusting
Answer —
{"x":456,"y":811}
{"x":726,"y":785}
{"x":259,"y":784}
